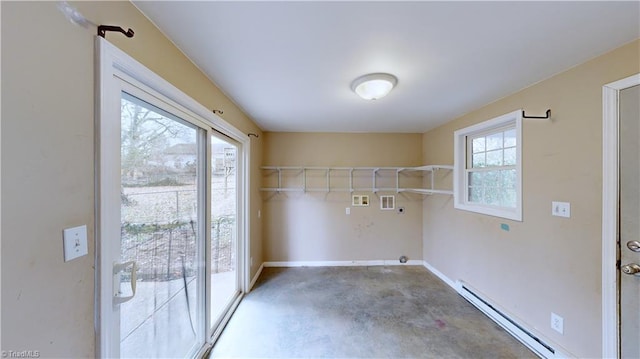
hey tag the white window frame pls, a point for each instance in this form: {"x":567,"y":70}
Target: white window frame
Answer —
{"x":111,"y":64}
{"x":460,"y":177}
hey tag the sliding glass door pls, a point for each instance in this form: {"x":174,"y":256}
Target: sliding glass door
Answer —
{"x":170,"y":217}
{"x":160,"y":192}
{"x":224,"y":226}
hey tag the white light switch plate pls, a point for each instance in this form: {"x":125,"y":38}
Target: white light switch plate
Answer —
{"x":561,"y":209}
{"x":75,"y":242}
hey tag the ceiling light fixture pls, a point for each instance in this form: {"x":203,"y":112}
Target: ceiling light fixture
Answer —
{"x":374,"y":86}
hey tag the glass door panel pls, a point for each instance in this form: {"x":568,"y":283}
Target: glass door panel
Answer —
{"x":159,"y":231}
{"x":224,"y":227}
{"x":166,"y":186}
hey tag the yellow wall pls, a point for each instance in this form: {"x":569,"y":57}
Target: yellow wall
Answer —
{"x":47,"y":163}
{"x":543,"y":264}
{"x":314,"y":226}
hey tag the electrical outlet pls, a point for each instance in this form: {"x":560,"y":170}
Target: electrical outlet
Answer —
{"x":347,"y":210}
{"x":561,"y":209}
{"x":557,"y":323}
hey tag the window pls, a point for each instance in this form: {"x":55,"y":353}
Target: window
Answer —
{"x":488,"y":175}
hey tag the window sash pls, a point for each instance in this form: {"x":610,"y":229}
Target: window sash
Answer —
{"x":484,"y":134}
{"x":506,"y":188}
{"x":476,"y":194}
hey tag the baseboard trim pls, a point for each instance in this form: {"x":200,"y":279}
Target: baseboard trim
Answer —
{"x":440,"y":275}
{"x":531,"y":340}
{"x":355,"y":263}
{"x":255,"y":278}
{"x":560,"y":353}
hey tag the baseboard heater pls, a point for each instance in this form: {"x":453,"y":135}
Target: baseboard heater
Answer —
{"x":534,"y":343}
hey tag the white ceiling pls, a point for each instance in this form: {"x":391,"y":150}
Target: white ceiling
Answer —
{"x":289,"y":65}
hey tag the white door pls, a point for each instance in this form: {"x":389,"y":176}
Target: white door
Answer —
{"x":160,"y":289}
{"x":629,"y":110}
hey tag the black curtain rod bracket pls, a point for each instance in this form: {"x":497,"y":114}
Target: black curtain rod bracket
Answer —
{"x":548,"y":116}
{"x":102,"y":30}
{"x":252,"y":134}
{"x":217,"y":112}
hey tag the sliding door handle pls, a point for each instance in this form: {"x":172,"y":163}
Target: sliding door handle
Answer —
{"x":117,"y":270}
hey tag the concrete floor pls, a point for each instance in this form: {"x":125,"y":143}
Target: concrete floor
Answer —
{"x":360,"y":312}
{"x":156,"y":322}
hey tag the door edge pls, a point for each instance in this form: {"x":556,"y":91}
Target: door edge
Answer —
{"x":610,"y":286}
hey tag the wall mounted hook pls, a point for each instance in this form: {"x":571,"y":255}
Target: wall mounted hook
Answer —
{"x":548,"y":116}
{"x":102,"y":30}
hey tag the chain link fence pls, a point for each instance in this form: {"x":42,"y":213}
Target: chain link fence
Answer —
{"x":164,"y":244}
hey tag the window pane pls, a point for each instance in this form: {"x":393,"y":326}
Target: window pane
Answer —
{"x":509,"y":179}
{"x":494,"y":141}
{"x":475,"y":194}
{"x":479,"y":160}
{"x":491,"y":178}
{"x":510,"y":138}
{"x":159,"y":221}
{"x":492,"y":196}
{"x":494,"y":158}
{"x":510,"y":156}
{"x":224,"y":215}
{"x":475,"y":178}
{"x":478,"y":145}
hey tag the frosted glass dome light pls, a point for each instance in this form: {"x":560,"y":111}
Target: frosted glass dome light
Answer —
{"x":374,"y":86}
